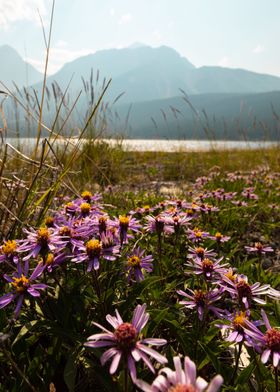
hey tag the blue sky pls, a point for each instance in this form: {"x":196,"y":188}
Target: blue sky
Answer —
{"x":231,"y":33}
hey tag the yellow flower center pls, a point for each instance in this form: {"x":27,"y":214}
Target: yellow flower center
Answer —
{"x":9,"y":247}
{"x":124,"y":221}
{"x":43,"y":236}
{"x":230,"y":275}
{"x":50,"y":259}
{"x":200,"y":251}
{"x":197,"y":232}
{"x":93,"y":248}
{"x":65,"y":231}
{"x":86,"y":195}
{"x":146,"y":208}
{"x":21,"y":284}
{"x":49,"y":221}
{"x":258,"y":245}
{"x":85,"y":208}
{"x":239,"y":320}
{"x":218,"y":235}
{"x":134,"y":261}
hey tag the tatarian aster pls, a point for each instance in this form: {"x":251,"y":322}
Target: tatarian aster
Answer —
{"x":246,"y":293}
{"x":202,"y":301}
{"x":181,"y":379}
{"x":136,"y":263}
{"x":269,"y":341}
{"x":125,"y":342}
{"x":23,"y":285}
{"x":259,"y":248}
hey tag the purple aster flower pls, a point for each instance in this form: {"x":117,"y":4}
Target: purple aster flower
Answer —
{"x":181,"y":379}
{"x":8,"y":252}
{"x":202,"y":301}
{"x":22,"y":286}
{"x":160,"y":224}
{"x":125,"y":224}
{"x":248,"y":193}
{"x":94,"y":249}
{"x":268,"y":341}
{"x":41,"y":241}
{"x":196,"y":235}
{"x":136,"y":263}
{"x":208,"y":268}
{"x":246,"y":293}
{"x":259,"y":248}
{"x":200,"y":252}
{"x":124,"y":342}
{"x":236,"y":327}
{"x":219,"y":237}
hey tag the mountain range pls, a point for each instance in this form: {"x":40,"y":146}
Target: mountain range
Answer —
{"x":164,"y":93}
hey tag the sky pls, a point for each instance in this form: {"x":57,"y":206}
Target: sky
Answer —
{"x":229,"y":33}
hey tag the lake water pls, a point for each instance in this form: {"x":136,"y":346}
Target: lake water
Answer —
{"x":161,"y":145}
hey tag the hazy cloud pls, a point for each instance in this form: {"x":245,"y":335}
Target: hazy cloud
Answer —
{"x":112,"y":11}
{"x":258,"y":49}
{"x":224,"y":62}
{"x":125,"y":18}
{"x":18,"y":10}
{"x":156,"y":35}
{"x":58,"y":57}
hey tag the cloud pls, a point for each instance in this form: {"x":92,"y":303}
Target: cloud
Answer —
{"x":112,"y":11}
{"x":258,"y":49}
{"x":58,"y":57}
{"x":224,"y":62}
{"x":12,"y":11}
{"x":156,"y":35}
{"x":125,"y":18}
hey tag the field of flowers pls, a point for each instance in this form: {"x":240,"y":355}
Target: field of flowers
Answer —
{"x":144,"y":293}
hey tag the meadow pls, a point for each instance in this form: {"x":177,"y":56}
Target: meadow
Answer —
{"x":125,"y":271}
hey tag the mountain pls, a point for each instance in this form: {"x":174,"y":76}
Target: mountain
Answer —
{"x":222,"y":101}
{"x":145,"y":73}
{"x":14,"y":69}
{"x":202,"y":116}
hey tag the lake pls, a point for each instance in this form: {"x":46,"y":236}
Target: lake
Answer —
{"x":161,"y":145}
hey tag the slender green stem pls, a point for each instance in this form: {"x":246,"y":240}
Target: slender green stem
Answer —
{"x":276,"y":379}
{"x":237,"y":361}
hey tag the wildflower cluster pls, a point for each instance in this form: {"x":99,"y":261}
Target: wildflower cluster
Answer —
{"x":173,"y":285}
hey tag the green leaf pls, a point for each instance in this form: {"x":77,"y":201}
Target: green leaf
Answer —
{"x":24,"y":330}
{"x":70,"y":371}
{"x":246,"y":374}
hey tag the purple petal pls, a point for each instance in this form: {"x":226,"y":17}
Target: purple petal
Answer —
{"x":7,"y":299}
{"x":265,"y":355}
{"x":215,"y":384}
{"x":276,"y":357}
{"x":37,"y":272}
{"x":154,"y":342}
{"x":115,"y":362}
{"x":148,"y":350}
{"x":178,"y":370}
{"x":99,"y":343}
{"x":190,"y":371}
{"x":265,"y":319}
{"x":131,"y":368}
{"x":18,"y":306}
{"x":107,"y":355}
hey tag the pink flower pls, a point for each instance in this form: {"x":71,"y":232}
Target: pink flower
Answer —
{"x":124,"y":342}
{"x":181,"y":379}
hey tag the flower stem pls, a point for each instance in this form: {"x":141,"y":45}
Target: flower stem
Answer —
{"x":237,"y":361}
{"x":126,"y":379}
{"x":276,"y":379}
